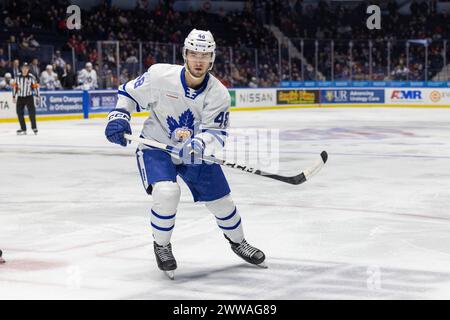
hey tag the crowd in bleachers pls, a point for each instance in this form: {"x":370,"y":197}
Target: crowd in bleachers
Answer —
{"x":248,"y":53}
{"x":56,"y":75}
{"x":162,"y":25}
{"x":345,"y":24}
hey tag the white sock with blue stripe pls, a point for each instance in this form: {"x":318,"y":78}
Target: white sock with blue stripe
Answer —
{"x":166,"y":196}
{"x":227,"y":217}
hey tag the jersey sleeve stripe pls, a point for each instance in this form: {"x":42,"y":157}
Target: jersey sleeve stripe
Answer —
{"x":126,"y":94}
{"x":220,"y":140}
{"x":216,"y":131}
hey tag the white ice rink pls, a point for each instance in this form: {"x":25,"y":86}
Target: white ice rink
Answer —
{"x":373,"y":224}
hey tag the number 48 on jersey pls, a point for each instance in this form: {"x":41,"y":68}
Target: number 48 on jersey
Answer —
{"x":222,"y":119}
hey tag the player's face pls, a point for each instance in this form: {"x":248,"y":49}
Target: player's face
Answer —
{"x":198,"y":62}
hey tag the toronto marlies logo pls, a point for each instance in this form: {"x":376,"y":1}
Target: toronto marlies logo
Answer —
{"x":95,"y":102}
{"x":183,"y":129}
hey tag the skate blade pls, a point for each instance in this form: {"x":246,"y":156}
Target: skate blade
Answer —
{"x":170,"y":274}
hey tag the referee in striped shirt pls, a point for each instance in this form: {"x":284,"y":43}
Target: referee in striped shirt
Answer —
{"x":24,"y":86}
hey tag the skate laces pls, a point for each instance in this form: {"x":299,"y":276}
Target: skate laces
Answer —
{"x":164,"y":252}
{"x":245,"y":249}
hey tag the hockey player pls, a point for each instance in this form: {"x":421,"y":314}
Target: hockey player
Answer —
{"x":49,"y":79}
{"x":188,"y":107}
{"x":7,"y":83}
{"x":87,"y":78}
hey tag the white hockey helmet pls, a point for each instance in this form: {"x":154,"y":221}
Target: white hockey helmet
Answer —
{"x":200,"y":41}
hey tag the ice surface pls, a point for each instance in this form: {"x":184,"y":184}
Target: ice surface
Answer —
{"x":373,"y":224}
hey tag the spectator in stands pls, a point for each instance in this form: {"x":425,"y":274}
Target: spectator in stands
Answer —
{"x":35,"y":70}
{"x":3,"y":68}
{"x":7,"y":82}
{"x":72,"y":42}
{"x":124,"y":76}
{"x":132,"y":58}
{"x":110,"y":57}
{"x":110,"y":82}
{"x":253,"y":83}
{"x":33,"y":42}
{"x":341,"y":21}
{"x":400,"y":72}
{"x":28,"y":42}
{"x":49,"y":79}
{"x":87,"y":78}
{"x":148,"y":61}
{"x":58,"y":61}
{"x":68,"y":78}
{"x":8,"y":22}
{"x":93,"y":56}
{"x":15,"y":69}
{"x":80,"y":49}
{"x":13,"y":44}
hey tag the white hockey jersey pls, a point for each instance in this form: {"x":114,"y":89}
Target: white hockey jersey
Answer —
{"x":87,"y":79}
{"x":49,"y":81}
{"x":178,"y":112}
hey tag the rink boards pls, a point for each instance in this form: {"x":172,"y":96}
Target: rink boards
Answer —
{"x":76,"y":104}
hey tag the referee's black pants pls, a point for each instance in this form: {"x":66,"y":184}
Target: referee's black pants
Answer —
{"x":28,"y":102}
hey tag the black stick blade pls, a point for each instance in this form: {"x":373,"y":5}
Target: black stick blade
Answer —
{"x":295,"y":180}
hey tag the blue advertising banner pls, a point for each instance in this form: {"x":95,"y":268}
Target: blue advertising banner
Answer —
{"x":59,"y":102}
{"x":102,"y":100}
{"x":366,"y":84}
{"x":352,"y":96}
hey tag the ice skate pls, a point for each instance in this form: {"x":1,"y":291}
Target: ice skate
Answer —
{"x":165,"y":259}
{"x":248,"y":253}
{"x":35,"y":131}
{"x":21,"y":132}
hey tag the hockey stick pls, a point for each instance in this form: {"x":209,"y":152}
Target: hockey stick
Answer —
{"x":298,"y":179}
